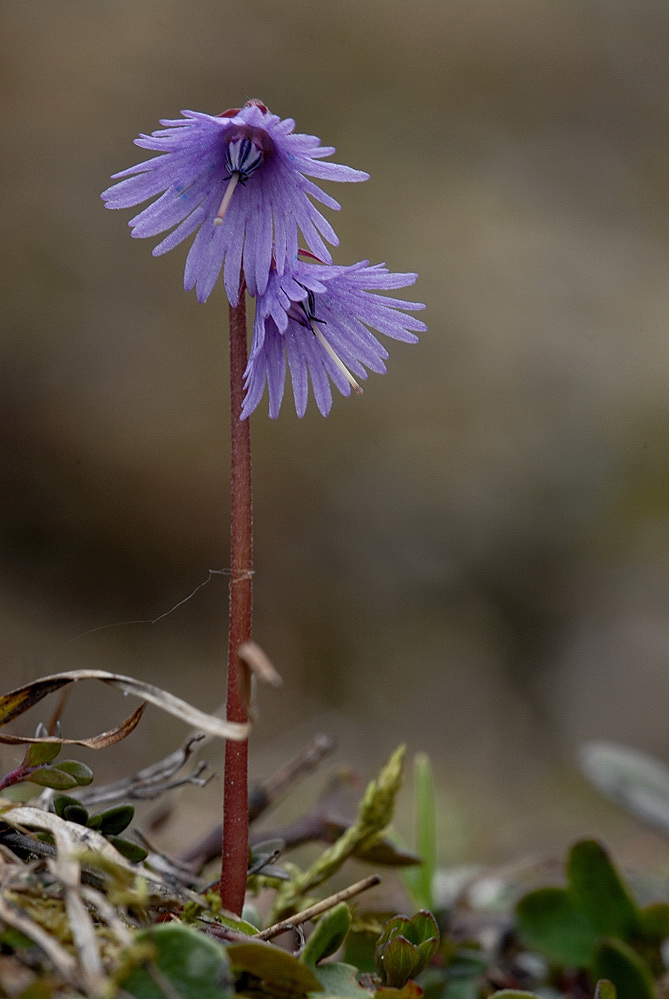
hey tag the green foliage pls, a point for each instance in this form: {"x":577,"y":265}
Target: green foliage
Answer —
{"x":177,"y":961}
{"x":420,"y":880}
{"x":36,"y":769}
{"x":595,"y":923}
{"x":549,"y":921}
{"x":617,"y":962}
{"x":338,"y":979}
{"x":605,"y":990}
{"x":405,"y":946}
{"x":409,"y":991}
{"x":109,"y":823}
{"x":598,"y":891}
{"x":51,"y":777}
{"x":261,"y":969}
{"x":515,"y":994}
{"x":330,"y":933}
{"x":81,"y":773}
{"x":115,"y":820}
{"x":374,"y":814}
{"x":131,"y":851}
{"x":41,"y":752}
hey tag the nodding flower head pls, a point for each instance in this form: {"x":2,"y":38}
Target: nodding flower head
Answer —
{"x":240,"y":181}
{"x":315,"y":317}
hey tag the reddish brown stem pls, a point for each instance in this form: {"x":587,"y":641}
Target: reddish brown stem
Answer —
{"x":235,"y":794}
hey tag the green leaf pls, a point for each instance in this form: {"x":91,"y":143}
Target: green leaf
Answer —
{"x":599,"y":892}
{"x":412,"y":990}
{"x":338,"y":979}
{"x":81,"y":773}
{"x":191,"y":964}
{"x":61,"y":801}
{"x":41,"y":752}
{"x":399,"y":961}
{"x":515,"y":994}
{"x":426,"y":950}
{"x":381,"y":849}
{"x":52,"y":777}
{"x":14,"y":939}
{"x":274,"y":967}
{"x":425,"y":927}
{"x":421,"y":880}
{"x":328,"y":936}
{"x":115,"y":820}
{"x":397,"y":926}
{"x":605,"y":990}
{"x":549,"y":922}
{"x":616,"y":962}
{"x":654,"y":922}
{"x":76,"y":813}
{"x":131,"y":851}
{"x":236,"y":924}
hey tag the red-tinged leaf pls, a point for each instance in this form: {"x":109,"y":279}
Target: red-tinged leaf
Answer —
{"x":410,"y":991}
{"x":101,"y":741}
{"x":17,"y":701}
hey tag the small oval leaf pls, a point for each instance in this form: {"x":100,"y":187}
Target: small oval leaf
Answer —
{"x":340,"y":980}
{"x":131,"y":851}
{"x":41,"y":752}
{"x":188,"y":963}
{"x":115,"y":820}
{"x":599,"y":892}
{"x":273,"y":966}
{"x":52,"y":777}
{"x":61,"y":801}
{"x":330,"y":932}
{"x":81,"y":773}
{"x":399,"y":961}
{"x":425,"y":926}
{"x":76,"y":813}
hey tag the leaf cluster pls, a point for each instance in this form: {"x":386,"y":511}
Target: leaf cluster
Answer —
{"x":109,"y":823}
{"x":594,"y":923}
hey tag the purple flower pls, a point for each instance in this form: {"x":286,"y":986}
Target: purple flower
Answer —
{"x":316,"y":316}
{"x":241,"y":180}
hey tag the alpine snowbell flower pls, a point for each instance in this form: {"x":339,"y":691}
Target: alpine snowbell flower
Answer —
{"x":241,"y":180}
{"x":315,"y":316}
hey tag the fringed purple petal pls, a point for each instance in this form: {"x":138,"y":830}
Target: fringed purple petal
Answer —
{"x":298,"y":369}
{"x":276,"y":371}
{"x":188,"y":178}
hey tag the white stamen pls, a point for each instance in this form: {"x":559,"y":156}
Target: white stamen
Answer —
{"x":335,"y":357}
{"x":232,"y":184}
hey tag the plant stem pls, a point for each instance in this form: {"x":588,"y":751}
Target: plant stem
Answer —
{"x":235,"y":794}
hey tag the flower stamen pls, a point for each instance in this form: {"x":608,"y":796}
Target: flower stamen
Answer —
{"x":227,"y":197}
{"x":242,"y":158}
{"x":335,"y":357}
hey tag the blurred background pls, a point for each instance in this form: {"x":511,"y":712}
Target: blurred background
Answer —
{"x":473,"y":557}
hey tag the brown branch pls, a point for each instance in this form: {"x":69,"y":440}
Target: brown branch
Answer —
{"x":318,"y":908}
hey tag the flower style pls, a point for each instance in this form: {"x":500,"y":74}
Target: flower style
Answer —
{"x":241,"y":180}
{"x":316,"y":316}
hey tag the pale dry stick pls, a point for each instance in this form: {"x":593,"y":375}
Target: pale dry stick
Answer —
{"x":108,"y":914}
{"x":67,"y":869}
{"x":315,"y":910}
